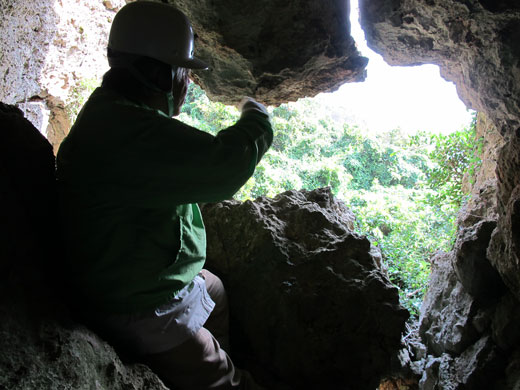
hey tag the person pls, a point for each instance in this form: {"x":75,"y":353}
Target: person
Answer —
{"x":131,"y":177}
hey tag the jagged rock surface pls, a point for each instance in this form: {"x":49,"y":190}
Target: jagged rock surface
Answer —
{"x":468,"y":312}
{"x":305,"y":291}
{"x":472,"y":342}
{"x":482,"y":185}
{"x":274,"y":51}
{"x":474,"y":42}
{"x":476,"y":45}
{"x":504,"y":250}
{"x":40,"y":347}
{"x":53,"y":53}
{"x":38,"y":351}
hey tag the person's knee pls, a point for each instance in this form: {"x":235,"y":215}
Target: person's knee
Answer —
{"x":215,"y":287}
{"x":198,"y":363}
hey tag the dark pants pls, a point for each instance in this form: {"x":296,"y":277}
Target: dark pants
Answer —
{"x":200,"y":363}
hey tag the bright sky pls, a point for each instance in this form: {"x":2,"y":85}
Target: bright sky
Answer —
{"x":412,"y":98}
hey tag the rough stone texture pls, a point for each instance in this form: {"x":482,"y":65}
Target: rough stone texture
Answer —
{"x":263,"y":49}
{"x":48,"y":51}
{"x":272,"y":50}
{"x":40,"y":348}
{"x":320,"y":314}
{"x":471,"y":264}
{"x":504,"y":251}
{"x":466,"y":337}
{"x":482,"y":186}
{"x":476,"y":45}
{"x":468,"y":313}
{"x":54,"y":355}
{"x":475,"y":48}
{"x":447,"y":310}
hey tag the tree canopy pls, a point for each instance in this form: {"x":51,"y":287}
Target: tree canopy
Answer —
{"x":405,"y":190}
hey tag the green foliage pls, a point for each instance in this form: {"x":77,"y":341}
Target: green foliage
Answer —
{"x":408,"y":229}
{"x":454,"y":155}
{"x":393,"y":182}
{"x":78,"y":96}
{"x":199,"y":112}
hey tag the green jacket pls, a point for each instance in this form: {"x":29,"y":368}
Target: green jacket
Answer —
{"x":130,"y":178}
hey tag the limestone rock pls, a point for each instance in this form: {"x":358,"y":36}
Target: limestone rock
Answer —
{"x":40,"y":347}
{"x":482,"y":185}
{"x":437,"y":374}
{"x":504,"y":251}
{"x":52,"y":51}
{"x":273,"y":51}
{"x":447,"y":310}
{"x":471,"y":264}
{"x":475,"y":48}
{"x":505,"y":323}
{"x":471,"y":344}
{"x":479,"y":366}
{"x":38,"y":351}
{"x":310,"y":301}
{"x":475,"y":43}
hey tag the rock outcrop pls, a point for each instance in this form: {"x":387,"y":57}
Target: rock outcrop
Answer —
{"x":472,"y":341}
{"x":307,"y":294}
{"x":475,"y":45}
{"x":475,"y":289}
{"x":279,"y":51}
{"x":53,"y":53}
{"x":272,"y":50}
{"x":311,"y":306}
{"x":41,"y":347}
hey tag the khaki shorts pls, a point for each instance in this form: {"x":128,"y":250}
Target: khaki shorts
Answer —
{"x":165,"y":327}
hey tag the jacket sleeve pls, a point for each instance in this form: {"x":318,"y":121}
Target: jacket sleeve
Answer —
{"x":167,"y":162}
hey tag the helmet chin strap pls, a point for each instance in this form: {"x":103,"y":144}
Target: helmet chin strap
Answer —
{"x":124,"y":63}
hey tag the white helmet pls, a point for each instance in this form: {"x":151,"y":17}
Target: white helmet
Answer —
{"x":155,"y":30}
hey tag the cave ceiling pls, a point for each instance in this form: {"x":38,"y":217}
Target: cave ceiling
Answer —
{"x":475,"y":43}
{"x":273,"y":50}
{"x":281,"y":51}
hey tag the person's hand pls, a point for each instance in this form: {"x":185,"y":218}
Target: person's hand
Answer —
{"x":249,"y":104}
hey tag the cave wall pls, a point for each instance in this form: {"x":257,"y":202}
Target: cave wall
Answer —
{"x":50,"y":50}
{"x":321,"y":312}
{"x":469,"y":321}
{"x":53,"y":50}
{"x":476,"y":45}
{"x":48,"y":47}
{"x":273,"y":50}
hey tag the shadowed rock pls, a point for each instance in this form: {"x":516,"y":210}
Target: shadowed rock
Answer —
{"x":311,"y":303}
{"x":273,"y":50}
{"x":40,"y":347}
{"x":475,"y":49}
{"x":472,"y":266}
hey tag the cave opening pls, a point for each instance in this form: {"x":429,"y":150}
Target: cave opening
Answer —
{"x":468,"y":333}
{"x":399,"y":148}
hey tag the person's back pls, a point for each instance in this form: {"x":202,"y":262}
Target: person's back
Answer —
{"x":130,"y":179}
